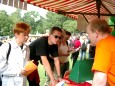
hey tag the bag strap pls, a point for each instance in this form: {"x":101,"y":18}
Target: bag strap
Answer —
{"x":8,"y":52}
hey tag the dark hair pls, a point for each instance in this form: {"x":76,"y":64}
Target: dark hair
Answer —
{"x":55,"y":29}
{"x":67,"y":33}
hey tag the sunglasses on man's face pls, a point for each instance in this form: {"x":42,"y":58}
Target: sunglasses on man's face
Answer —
{"x":55,"y":36}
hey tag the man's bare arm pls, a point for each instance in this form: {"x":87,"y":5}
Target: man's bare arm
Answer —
{"x":47,"y":67}
{"x":57,"y":65}
{"x":99,"y":79}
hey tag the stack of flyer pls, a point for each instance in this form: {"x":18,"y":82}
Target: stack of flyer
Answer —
{"x":61,"y":83}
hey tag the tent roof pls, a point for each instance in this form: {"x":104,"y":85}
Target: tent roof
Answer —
{"x":90,"y":9}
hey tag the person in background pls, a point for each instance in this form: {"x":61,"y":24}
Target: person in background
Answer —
{"x":63,"y":50}
{"x":44,"y":49}
{"x":83,"y":48}
{"x":91,"y":51}
{"x":76,"y":49}
{"x":1,"y":43}
{"x":104,"y":60}
{"x":12,"y":72}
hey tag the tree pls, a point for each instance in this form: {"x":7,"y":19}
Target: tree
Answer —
{"x":32,"y":19}
{"x":36,"y":21}
{"x":5,"y":24}
{"x":53,"y":19}
{"x":70,"y":25}
{"x":16,"y":16}
{"x":112,"y":19}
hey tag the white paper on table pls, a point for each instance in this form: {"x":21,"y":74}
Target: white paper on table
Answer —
{"x":61,"y":83}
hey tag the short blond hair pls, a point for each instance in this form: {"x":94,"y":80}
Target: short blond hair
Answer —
{"x":100,"y":25}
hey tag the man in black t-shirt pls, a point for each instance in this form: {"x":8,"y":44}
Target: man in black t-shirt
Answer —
{"x":42,"y":49}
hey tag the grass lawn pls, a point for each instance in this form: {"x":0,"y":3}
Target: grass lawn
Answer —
{"x":41,"y":71}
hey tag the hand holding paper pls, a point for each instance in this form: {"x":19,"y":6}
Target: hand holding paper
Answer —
{"x":61,"y":83}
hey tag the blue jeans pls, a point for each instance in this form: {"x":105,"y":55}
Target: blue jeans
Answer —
{"x":83,"y":55}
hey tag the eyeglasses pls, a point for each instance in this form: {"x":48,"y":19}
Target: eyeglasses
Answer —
{"x":55,"y":36}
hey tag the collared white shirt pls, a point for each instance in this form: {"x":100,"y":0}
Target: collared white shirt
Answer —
{"x":16,"y":61}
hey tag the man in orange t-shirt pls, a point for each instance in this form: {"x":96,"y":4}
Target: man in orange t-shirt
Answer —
{"x":104,"y":60}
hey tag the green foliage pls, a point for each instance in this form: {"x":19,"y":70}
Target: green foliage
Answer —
{"x":36,"y":21}
{"x":70,"y":25}
{"x":112,"y":20}
{"x":16,"y":16}
{"x":5,"y":24}
{"x":61,"y":21}
{"x":55,"y":19}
